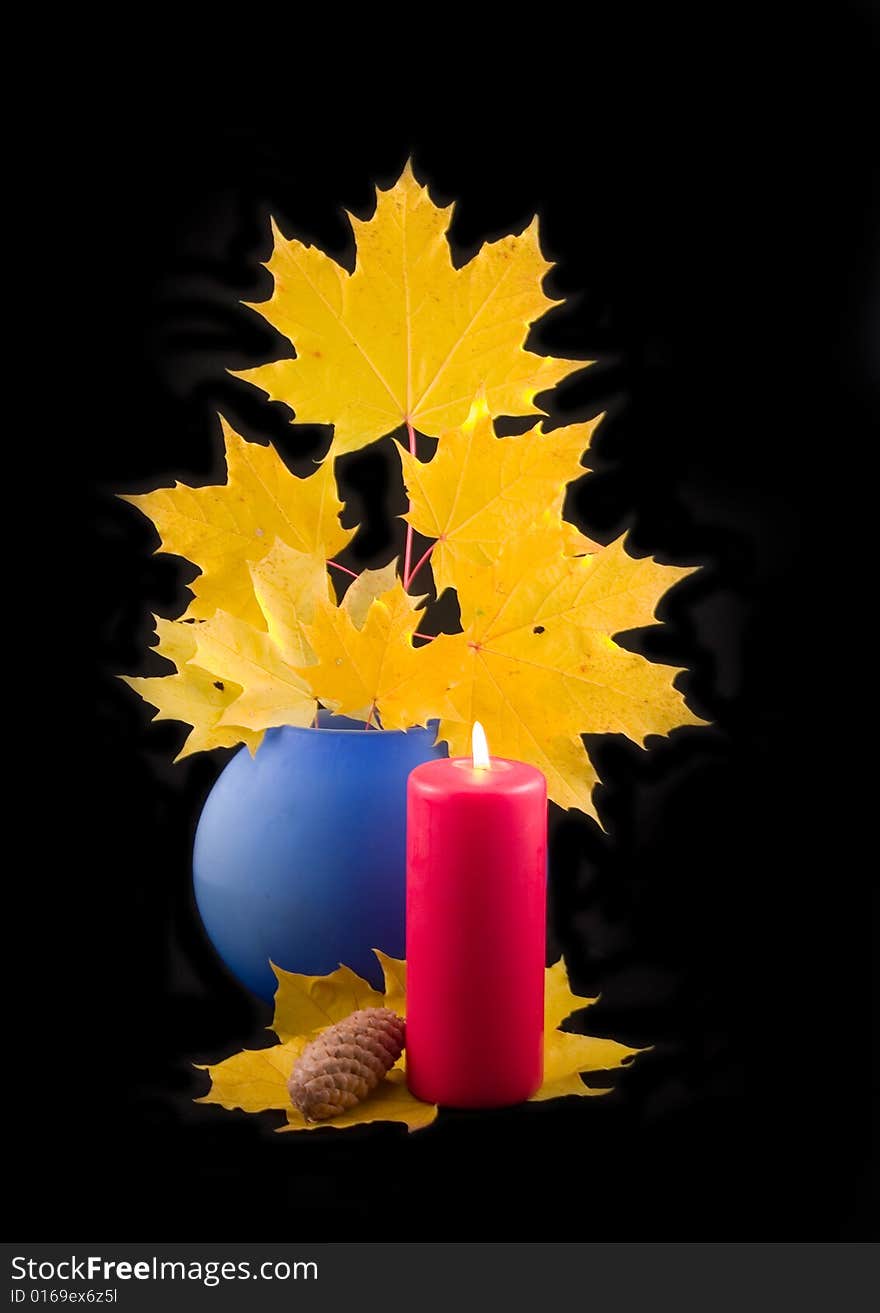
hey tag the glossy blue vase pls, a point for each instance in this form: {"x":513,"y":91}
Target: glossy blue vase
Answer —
{"x":300,"y":851}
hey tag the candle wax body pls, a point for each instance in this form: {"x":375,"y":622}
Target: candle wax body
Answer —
{"x":475,"y":932}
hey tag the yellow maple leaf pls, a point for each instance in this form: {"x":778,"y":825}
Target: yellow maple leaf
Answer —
{"x":391,"y":1101}
{"x":287,"y":584}
{"x":559,"y":999}
{"x":177,"y":640}
{"x":375,"y":670}
{"x":479,"y":490}
{"x":407,"y":336}
{"x":272,"y":693}
{"x":223,"y":528}
{"x":256,"y":1079}
{"x":394,"y":971}
{"x":575,"y":543}
{"x":304,"y":1004}
{"x":195,"y":696}
{"x":540,"y":578}
{"x":541,"y":667}
{"x":567,"y":1054}
{"x":363,"y":591}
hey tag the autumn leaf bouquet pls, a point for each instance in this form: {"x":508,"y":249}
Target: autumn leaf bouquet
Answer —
{"x":407,"y":344}
{"x":278,"y":628}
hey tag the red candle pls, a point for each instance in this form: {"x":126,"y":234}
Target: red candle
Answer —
{"x":475,"y":929}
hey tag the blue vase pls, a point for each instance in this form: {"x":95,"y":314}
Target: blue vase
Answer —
{"x":300,"y":851}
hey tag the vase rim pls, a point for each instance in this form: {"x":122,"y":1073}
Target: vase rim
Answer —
{"x":362,"y":732}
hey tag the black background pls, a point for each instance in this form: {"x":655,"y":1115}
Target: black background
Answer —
{"x":714,"y":223}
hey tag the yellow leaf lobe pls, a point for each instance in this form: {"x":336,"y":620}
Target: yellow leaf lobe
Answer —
{"x":407,"y":335}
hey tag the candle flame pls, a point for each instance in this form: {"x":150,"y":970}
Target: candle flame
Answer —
{"x":479,"y":747}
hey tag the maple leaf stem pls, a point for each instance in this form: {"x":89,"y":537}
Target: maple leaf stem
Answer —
{"x":343,"y":568}
{"x":418,"y":565}
{"x":407,"y":554}
{"x":430,"y":637}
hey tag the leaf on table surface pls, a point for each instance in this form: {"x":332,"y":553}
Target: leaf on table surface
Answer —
{"x":394,"y":971}
{"x":305,"y":1004}
{"x":541,"y":669}
{"x":559,"y":1001}
{"x":567,"y":1057}
{"x":223,"y":528}
{"x":391,"y":1101}
{"x":407,"y":336}
{"x":376,"y":669}
{"x":479,"y":491}
{"x":256,"y":1080}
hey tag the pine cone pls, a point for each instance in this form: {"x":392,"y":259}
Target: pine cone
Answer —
{"x":346,"y":1062}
